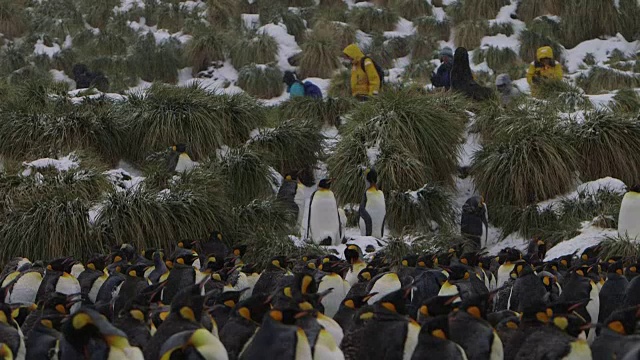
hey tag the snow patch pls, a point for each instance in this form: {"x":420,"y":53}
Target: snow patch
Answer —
{"x":588,"y":188}
{"x":287,"y":45}
{"x":600,"y":49}
{"x":65,"y":163}
{"x":589,"y":235}
{"x":502,"y":41}
{"x":41,"y":49}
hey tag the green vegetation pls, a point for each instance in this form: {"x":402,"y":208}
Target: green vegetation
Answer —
{"x":431,"y":26}
{"x":321,"y":112}
{"x":469,"y":33}
{"x":253,"y":49}
{"x":319,"y":55}
{"x":587,"y":19}
{"x":601,"y":78}
{"x":373,"y":19}
{"x":416,"y":210}
{"x":204,"y":48}
{"x":261,"y":81}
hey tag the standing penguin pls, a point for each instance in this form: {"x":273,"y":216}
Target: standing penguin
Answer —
{"x":613,"y":291}
{"x":475,"y":221}
{"x":323,"y":221}
{"x":179,"y":160}
{"x":527,"y":288}
{"x":287,"y":195}
{"x":373,"y":211}
{"x":628,"y":224}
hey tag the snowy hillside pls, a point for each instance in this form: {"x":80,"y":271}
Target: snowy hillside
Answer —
{"x":110,"y":150}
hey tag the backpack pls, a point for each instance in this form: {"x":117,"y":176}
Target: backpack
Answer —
{"x":379,"y":68}
{"x":312,"y":90}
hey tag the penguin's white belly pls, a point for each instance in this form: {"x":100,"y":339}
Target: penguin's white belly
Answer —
{"x":504,"y":272}
{"x":332,"y":327}
{"x":332,"y":301}
{"x":629,"y":218}
{"x":251,"y":283}
{"x":593,"y":308}
{"x":326,"y":347}
{"x":497,"y":350}
{"x":448,"y":289}
{"x":128,"y":353}
{"x":76,"y":270}
{"x":580,"y":350}
{"x":387,"y":284}
{"x":410,"y":343}
{"x":95,"y":287}
{"x":68,"y":285}
{"x":303,"y":349}
{"x":213,"y":350}
{"x":300,"y":199}
{"x":185,"y":163}
{"x":25,"y":289}
{"x":377,"y":210}
{"x":324,"y":220}
{"x":352,"y":274}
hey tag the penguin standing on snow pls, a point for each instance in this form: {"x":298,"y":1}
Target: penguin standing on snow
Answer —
{"x":180,"y":161}
{"x":475,"y":222}
{"x":628,"y":224}
{"x":323,"y":221}
{"x":373,"y":210}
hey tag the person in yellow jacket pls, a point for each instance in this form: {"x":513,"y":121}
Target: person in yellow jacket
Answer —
{"x":365,"y":81}
{"x":544,"y":68}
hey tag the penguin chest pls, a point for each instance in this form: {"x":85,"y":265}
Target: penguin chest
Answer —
{"x":449,"y":289}
{"x":303,"y":349}
{"x":185,"y":163}
{"x":497,"y":349}
{"x":579,"y":350}
{"x":95,"y":287}
{"x":332,"y":327}
{"x":352,"y":274}
{"x":68,"y":285}
{"x":324,"y":221}
{"x":375,"y":212}
{"x":383,"y":286}
{"x":26,"y":288}
{"x":411,"y":342}
{"x":333,"y":300}
{"x":593,"y":308}
{"x":628,"y":221}
{"x":300,"y":200}
{"x":504,"y":273}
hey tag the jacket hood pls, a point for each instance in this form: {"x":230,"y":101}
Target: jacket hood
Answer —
{"x":544,"y":52}
{"x":354,"y":52}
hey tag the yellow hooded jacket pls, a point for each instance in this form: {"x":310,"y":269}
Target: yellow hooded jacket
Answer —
{"x":538,"y":70}
{"x":363,"y":81}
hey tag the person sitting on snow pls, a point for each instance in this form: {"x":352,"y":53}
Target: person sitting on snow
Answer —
{"x":506,"y":90}
{"x":442,"y":76}
{"x":544,"y":68}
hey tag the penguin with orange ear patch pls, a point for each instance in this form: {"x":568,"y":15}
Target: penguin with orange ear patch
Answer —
{"x":617,"y":336}
{"x":243,"y":322}
{"x":470,"y":329}
{"x":613,"y":291}
{"x":434,"y":343}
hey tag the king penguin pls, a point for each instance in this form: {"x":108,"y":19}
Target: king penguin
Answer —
{"x":474,"y":223}
{"x":333,"y":280}
{"x":628,"y":224}
{"x":373,"y":211}
{"x":180,"y":161}
{"x":353,"y":254}
{"x":323,"y":222}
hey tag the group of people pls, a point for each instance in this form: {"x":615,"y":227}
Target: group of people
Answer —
{"x":454,"y":72}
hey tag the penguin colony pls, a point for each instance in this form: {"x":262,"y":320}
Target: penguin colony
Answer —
{"x":133,"y":304}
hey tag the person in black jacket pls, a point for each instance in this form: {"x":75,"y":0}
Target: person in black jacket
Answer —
{"x":442,"y":76}
{"x":462,"y":78}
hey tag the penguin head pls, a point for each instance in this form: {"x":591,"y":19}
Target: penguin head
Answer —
{"x":5,"y":352}
{"x":507,"y":324}
{"x":98,"y":262}
{"x":437,"y":306}
{"x":334,"y":267}
{"x":509,"y":255}
{"x":521,"y":269}
{"x":287,"y":316}
{"x":425,"y":261}
{"x":182,"y":257}
{"x":572,"y":324}
{"x":228,"y":298}
{"x":485,"y":262}
{"x":410,"y":260}
{"x":137,"y":270}
{"x":21,"y":311}
{"x":60,"y":303}
{"x":396,"y":301}
{"x":280,"y":262}
{"x":254,"y":308}
{"x":290,"y":177}
{"x":186,"y":244}
{"x":632,"y":270}
{"x":150,"y":294}
{"x":189,"y":302}
{"x":190,"y":344}
{"x":437,"y":326}
{"x":565,"y":262}
{"x":548,"y":279}
{"x":179,"y":148}
{"x":8,"y":315}
{"x":159,"y":315}
{"x":305,"y":283}
{"x":148,"y":253}
{"x":87,"y":326}
{"x":238,"y":251}
{"x":371,"y":177}
{"x":624,"y":321}
{"x":591,"y":253}
{"x":212,"y":264}
{"x":325,"y":184}
{"x":536,"y":311}
{"x":249,"y":269}
{"x":329,"y":258}
{"x":60,"y":264}
{"x":470,"y":258}
{"x":458,"y":273}
{"x":356,"y":302}
{"x":367,"y":274}
{"x":352,"y":253}
{"x":635,"y":188}
{"x":476,"y":306}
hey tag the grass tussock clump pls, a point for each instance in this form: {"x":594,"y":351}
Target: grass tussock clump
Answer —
{"x":420,"y":72}
{"x":423,"y":48}
{"x":468,"y":34}
{"x":343,"y":34}
{"x":189,"y":208}
{"x":529,"y":160}
{"x":530,"y":9}
{"x":223,"y":14}
{"x":258,"y":49}
{"x":417,"y":211}
{"x":293,"y":145}
{"x":412,"y":9}
{"x":340,"y":85}
{"x":246,"y":175}
{"x":261,"y":81}
{"x":440,"y":29}
{"x":204,"y":48}
{"x":394,"y":133}
{"x":564,"y":95}
{"x":12,"y":22}
{"x":156,"y":62}
{"x":500,"y":28}
{"x":475,"y":9}
{"x":320,"y":112}
{"x":602,"y":78}
{"x":620,"y":246}
{"x":531,"y":40}
{"x":607,"y":143}
{"x":626,"y":100}
{"x":320,"y":55}
{"x":398,"y":47}
{"x":498,"y":59}
{"x":373,"y":19}
{"x":629,"y":22}
{"x":587,"y":19}
{"x":239,"y":114}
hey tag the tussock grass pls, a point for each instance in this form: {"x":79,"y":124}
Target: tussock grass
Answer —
{"x":12,"y":58}
{"x":531,"y":40}
{"x":531,"y":9}
{"x":106,"y":43}
{"x":55,"y":18}
{"x":340,"y":85}
{"x":166,"y":115}
{"x":238,"y":114}
{"x":602,"y":78}
{"x":246,"y":175}
{"x":398,"y":47}
{"x":619,"y":246}
{"x":587,"y":19}
{"x":423,"y":48}
{"x":256,"y":49}
{"x":380,"y":53}
{"x":431,"y":26}
{"x":499,"y":59}
{"x":194,"y":205}
{"x":223,"y":14}
{"x":414,"y":211}
{"x":343,"y":34}
{"x":97,"y":14}
{"x":261,"y":81}
{"x":117,"y":69}
{"x":156,"y":62}
{"x":293,"y":145}
{"x":320,"y":112}
{"x":500,"y":28}
{"x":564,"y":95}
{"x":337,"y":11}
{"x":320,"y":55}
{"x":373,"y":19}
{"x":626,"y":100}
{"x":295,"y":25}
{"x":607,"y":143}
{"x":419,"y":72}
{"x":529,"y":160}
{"x":469,"y":33}
{"x":629,"y":21}
{"x":205,"y":47}
{"x":475,"y":9}
{"x":166,"y":15}
{"x":404,"y":126}
{"x":412,"y":9}
{"x":12,"y":21}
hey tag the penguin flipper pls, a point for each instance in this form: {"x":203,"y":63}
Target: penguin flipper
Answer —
{"x":308,"y":232}
{"x":365,"y":216}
